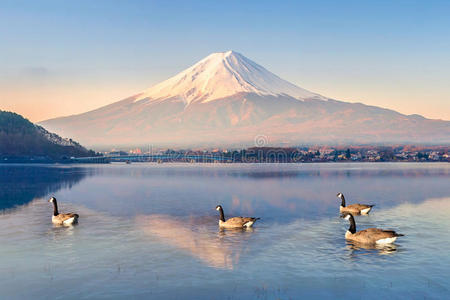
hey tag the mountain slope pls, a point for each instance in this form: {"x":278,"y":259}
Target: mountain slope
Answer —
{"x":21,"y":138}
{"x":227,"y":99}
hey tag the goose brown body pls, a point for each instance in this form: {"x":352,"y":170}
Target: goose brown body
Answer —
{"x":236,"y":222}
{"x":63,"y":219}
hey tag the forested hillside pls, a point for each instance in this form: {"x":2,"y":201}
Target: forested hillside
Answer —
{"x":21,"y":138}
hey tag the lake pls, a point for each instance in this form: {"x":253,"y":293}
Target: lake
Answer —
{"x":151,"y":231}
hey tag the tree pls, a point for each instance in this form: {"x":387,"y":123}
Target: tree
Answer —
{"x":347,"y":154}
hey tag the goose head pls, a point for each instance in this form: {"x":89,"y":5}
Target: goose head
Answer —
{"x":52,"y":199}
{"x":219,"y":207}
{"x":339,"y":195}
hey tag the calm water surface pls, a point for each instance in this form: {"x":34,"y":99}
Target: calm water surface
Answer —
{"x":150,"y":230}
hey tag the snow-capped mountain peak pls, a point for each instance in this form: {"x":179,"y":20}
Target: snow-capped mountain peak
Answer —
{"x":220,"y":75}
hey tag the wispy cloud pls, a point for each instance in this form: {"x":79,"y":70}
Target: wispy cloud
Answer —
{"x":35,"y":72}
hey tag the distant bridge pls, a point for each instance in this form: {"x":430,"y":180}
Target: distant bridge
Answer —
{"x":152,"y":158}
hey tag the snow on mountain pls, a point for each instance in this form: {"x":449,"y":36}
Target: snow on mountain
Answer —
{"x":227,"y":100}
{"x":221,"y":75}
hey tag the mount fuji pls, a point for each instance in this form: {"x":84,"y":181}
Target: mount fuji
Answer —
{"x":228,"y":100}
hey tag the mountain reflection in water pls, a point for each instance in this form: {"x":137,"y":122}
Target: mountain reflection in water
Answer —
{"x":213,"y":246}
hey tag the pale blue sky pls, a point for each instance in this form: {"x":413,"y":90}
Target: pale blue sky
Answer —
{"x":73,"y":56}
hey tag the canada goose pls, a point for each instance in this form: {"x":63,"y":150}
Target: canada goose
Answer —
{"x":369,"y":235}
{"x":236,"y":222}
{"x":62,"y":219}
{"x":356,"y":209}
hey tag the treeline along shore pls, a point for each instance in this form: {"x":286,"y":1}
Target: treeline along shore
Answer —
{"x":290,"y":155}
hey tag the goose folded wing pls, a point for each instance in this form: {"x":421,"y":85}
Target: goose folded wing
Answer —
{"x":374,"y":234}
{"x":64,"y":217}
{"x":238,"y":221}
{"x":247,"y":220}
{"x":358,"y":206}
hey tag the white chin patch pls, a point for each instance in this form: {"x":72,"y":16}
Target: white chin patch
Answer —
{"x":347,"y":217}
{"x":217,"y":208}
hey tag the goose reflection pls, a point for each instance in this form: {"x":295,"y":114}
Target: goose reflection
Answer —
{"x":218,"y":249}
{"x":60,"y":232}
{"x":361,"y":248}
{"x":238,"y":232}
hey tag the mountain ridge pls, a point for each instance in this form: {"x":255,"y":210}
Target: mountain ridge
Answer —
{"x":227,"y":99}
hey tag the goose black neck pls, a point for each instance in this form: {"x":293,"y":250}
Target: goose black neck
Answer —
{"x":352,"y":228}
{"x":343,"y":201}
{"x":55,"y":208}
{"x":222,"y":216}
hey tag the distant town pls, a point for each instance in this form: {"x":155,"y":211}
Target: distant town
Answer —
{"x":287,"y":155}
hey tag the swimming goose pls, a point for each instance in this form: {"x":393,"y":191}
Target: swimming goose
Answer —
{"x":236,"y":222}
{"x":369,"y":235}
{"x":62,"y":219}
{"x":355,"y":209}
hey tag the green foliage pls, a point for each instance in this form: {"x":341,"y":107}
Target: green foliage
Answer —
{"x":21,"y":138}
